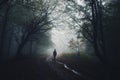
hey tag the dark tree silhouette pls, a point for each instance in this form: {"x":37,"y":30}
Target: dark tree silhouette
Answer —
{"x":92,"y":27}
{"x":23,"y":21}
{"x":98,"y":32}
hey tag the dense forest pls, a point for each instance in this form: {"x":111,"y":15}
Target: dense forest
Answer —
{"x":25,"y":27}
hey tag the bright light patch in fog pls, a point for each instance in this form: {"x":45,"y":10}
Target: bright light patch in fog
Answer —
{"x":61,"y":34}
{"x":60,"y":37}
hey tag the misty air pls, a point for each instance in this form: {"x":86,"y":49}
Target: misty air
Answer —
{"x":59,"y":40}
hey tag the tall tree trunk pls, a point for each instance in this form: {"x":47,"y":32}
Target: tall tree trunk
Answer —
{"x":10,"y":43}
{"x":95,"y":30}
{"x":3,"y":33}
{"x":99,"y":43}
{"x":31,"y":47}
{"x":21,"y":46}
{"x":18,"y":53}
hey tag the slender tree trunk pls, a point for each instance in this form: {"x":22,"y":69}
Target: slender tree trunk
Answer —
{"x":99,"y":43}
{"x":21,"y":46}
{"x":10,"y":43}
{"x":95,"y":31}
{"x":19,"y":50}
{"x":3,"y":33}
{"x":31,"y":47}
{"x":9,"y":46}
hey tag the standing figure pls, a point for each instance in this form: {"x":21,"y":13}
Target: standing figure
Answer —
{"x":54,"y":55}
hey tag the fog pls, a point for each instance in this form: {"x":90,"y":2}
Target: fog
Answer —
{"x":60,"y":38}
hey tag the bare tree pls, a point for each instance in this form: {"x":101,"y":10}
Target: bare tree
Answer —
{"x":37,"y":25}
{"x":90,"y":24}
{"x":23,"y":21}
{"x":4,"y":26}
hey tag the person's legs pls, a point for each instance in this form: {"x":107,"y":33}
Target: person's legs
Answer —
{"x":54,"y":58}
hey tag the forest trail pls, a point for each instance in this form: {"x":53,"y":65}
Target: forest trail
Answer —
{"x":64,"y":71}
{"x":37,"y":68}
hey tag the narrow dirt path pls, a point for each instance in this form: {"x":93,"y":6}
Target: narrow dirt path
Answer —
{"x":64,"y":71}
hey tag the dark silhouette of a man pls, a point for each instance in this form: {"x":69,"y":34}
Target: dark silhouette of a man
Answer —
{"x":54,"y":55}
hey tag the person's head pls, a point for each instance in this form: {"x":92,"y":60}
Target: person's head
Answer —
{"x":54,"y":49}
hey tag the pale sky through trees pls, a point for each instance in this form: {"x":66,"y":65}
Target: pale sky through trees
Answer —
{"x":62,"y":33}
{"x":64,"y":27}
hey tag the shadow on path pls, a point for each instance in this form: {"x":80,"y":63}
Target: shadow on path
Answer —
{"x":27,"y":69}
{"x":64,"y":71}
